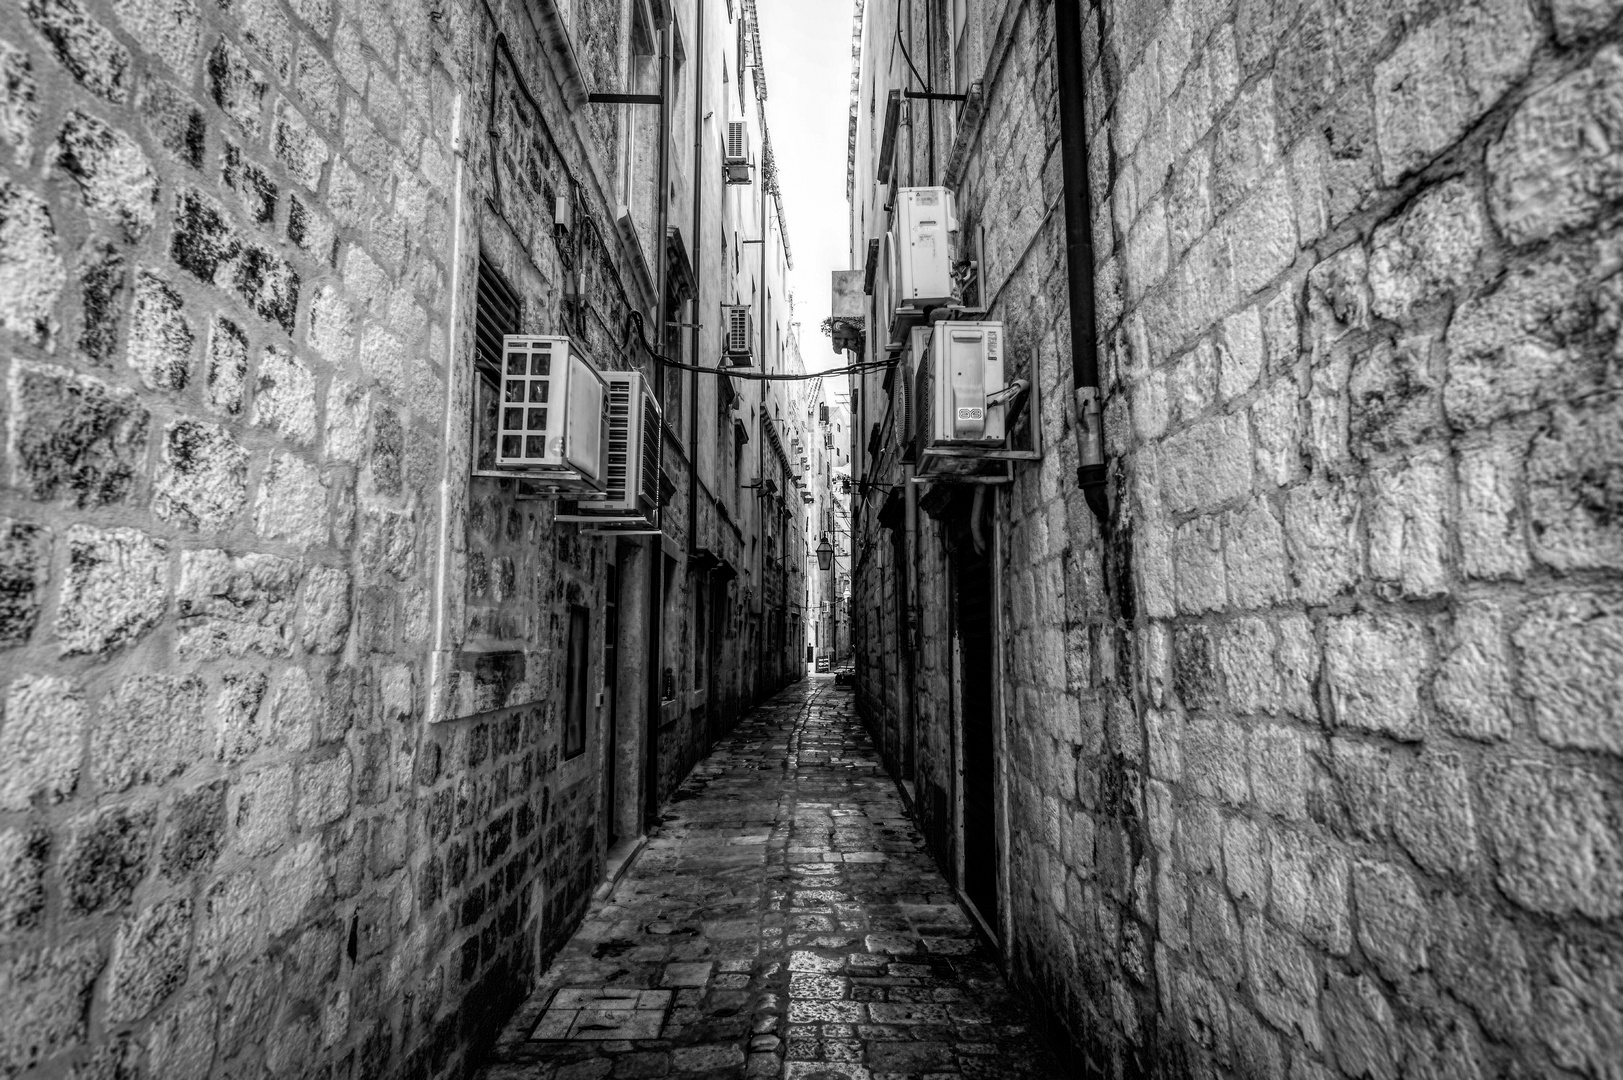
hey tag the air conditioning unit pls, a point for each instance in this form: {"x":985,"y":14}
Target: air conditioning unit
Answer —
{"x":922,"y":242}
{"x":961,"y":369}
{"x":905,"y":400}
{"x":737,"y":334}
{"x":553,"y":418}
{"x":735,"y":158}
{"x":632,"y":458}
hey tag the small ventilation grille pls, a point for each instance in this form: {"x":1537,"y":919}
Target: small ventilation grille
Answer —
{"x":497,"y":315}
{"x":737,"y":141}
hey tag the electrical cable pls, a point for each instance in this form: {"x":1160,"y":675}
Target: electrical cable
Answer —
{"x":634,"y":317}
{"x":903,"y":46}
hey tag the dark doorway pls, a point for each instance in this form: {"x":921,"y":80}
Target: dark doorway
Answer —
{"x":575,"y":687}
{"x":611,"y":675}
{"x":974,"y":618}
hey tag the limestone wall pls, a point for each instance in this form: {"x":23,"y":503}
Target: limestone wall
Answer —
{"x":1311,"y":757}
{"x":284,"y":783}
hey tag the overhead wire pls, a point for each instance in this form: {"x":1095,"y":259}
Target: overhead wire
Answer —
{"x":635,"y":318}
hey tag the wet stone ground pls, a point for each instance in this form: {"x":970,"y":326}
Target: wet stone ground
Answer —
{"x":786,"y":921}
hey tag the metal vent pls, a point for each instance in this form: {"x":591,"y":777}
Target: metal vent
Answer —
{"x":620,"y":405}
{"x":737,"y":321}
{"x":496,"y":315}
{"x":737,"y":142}
{"x":652,"y":449}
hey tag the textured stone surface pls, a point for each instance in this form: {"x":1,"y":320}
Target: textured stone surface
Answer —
{"x":285,"y":397}
{"x":1555,"y":832}
{"x":149,"y":959}
{"x":1572,"y":671}
{"x":1308,"y":742}
{"x":1445,"y":76}
{"x":1555,"y":167}
{"x":203,"y":481}
{"x":47,"y":995}
{"x":105,"y":858}
{"x":115,"y":181}
{"x":222,"y":561}
{"x":78,"y":437}
{"x":863,"y":965}
{"x":115,"y":590}
{"x":24,"y":561}
{"x":31,"y":270}
{"x":44,"y":724}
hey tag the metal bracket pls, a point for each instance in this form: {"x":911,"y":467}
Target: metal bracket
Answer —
{"x":920,"y":95}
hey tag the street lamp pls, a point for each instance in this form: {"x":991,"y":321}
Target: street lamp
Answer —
{"x":825,"y":554}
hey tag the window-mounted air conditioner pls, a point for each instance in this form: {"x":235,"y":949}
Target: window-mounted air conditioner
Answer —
{"x":553,"y":418}
{"x":632,"y":457}
{"x":961,"y":369}
{"x":735,"y":160}
{"x":737,"y":334}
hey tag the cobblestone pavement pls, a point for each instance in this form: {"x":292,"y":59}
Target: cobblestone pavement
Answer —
{"x":785,"y":921}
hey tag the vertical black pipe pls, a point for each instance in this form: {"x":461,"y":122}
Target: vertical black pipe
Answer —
{"x":1078,"y":195}
{"x":697,"y":247}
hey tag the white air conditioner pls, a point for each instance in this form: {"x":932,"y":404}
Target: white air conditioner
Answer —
{"x":961,"y":370}
{"x":735,"y":159}
{"x":553,"y":419}
{"x":632,"y":458}
{"x":924,"y":230}
{"x":738,"y":334}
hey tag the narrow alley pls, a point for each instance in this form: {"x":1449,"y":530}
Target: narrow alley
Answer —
{"x":556,"y":539}
{"x":785,"y":919}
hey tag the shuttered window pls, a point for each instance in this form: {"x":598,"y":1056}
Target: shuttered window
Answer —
{"x":496,"y":315}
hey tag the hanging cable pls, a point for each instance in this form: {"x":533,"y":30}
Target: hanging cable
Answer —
{"x":634,"y":318}
{"x":903,"y":46}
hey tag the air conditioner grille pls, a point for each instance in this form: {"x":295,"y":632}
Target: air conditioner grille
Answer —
{"x":738,"y":330}
{"x":619,"y":438}
{"x":652,"y":446}
{"x":527,"y":374}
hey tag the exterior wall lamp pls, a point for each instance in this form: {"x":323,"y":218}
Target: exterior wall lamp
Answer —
{"x":825,"y":554}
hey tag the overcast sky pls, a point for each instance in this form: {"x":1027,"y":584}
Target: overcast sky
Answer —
{"x":808,"y":83}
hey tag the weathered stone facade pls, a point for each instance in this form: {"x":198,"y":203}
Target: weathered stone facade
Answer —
{"x":1307,"y":759}
{"x":285,"y":782}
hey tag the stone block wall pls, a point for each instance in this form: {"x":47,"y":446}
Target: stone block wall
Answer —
{"x":222,"y":229}
{"x":1313,"y":750}
{"x":231,"y":842}
{"x":1359,"y":372}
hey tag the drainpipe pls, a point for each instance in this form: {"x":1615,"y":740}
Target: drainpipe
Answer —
{"x":699,"y":177}
{"x":1072,"y":81}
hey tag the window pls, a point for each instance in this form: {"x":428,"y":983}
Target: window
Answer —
{"x":742,"y":63}
{"x":575,"y":686}
{"x":496,"y":314}
{"x":639,"y":177}
{"x":961,"y":42}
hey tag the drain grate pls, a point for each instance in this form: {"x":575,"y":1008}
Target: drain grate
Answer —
{"x":599,"y":1013}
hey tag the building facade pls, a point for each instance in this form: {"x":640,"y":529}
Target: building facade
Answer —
{"x":1269,"y":728}
{"x":319,"y":731}
{"x":827,"y":500}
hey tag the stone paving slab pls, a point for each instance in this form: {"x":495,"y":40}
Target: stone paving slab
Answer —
{"x":785,"y":921}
